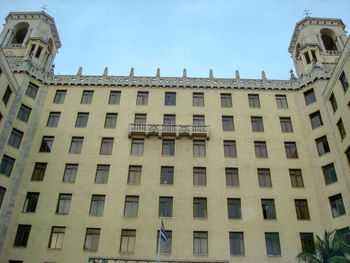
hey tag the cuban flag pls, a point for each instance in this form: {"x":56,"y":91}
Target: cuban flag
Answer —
{"x":162,"y":232}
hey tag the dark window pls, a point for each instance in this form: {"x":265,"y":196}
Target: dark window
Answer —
{"x":200,"y":243}
{"x":333,"y":102}
{"x":307,"y":242}
{"x":2,"y":194}
{"x":257,"y":124}
{"x":302,"y":209}
{"x":198,"y":120}
{"x":347,"y":154}
{"x":102,"y":173}
{"x":39,"y":171}
{"x":226,"y":100}
{"x":236,"y":243}
{"x":134,"y":175}
{"x":30,"y":202}
{"x":92,"y":238}
{"x":309,"y":96}
{"x":199,"y":176}
{"x":316,"y":120}
{"x":63,"y":204}
{"x":286,"y":124}
{"x":38,"y":52}
{"x":76,"y":145}
{"x":106,"y":146}
{"x":260,"y":149}
{"x":198,"y":99}
{"x":268,"y":208}
{"x":22,"y":235}
{"x":127,"y":242}
{"x":82,"y":119}
{"x":308,"y":60}
{"x":168,"y":147}
{"x":137,"y":147}
{"x":56,"y":237}
{"x":6,"y":165}
{"x":114,"y":97}
{"x":291,"y":149}
{"x":53,"y":119}
{"x":264,"y":178}
{"x":199,"y":207}
{"x":313,"y":54}
{"x":46,"y":144}
{"x":70,"y":173}
{"x":344,"y":82}
{"x":232,"y":177}
{"x":169,"y":119}
{"x":142,"y":98}
{"x":230,"y":149}
{"x":24,"y":113}
{"x":15,"y":138}
{"x":337,"y":205}
{"x":234,"y":208}
{"x":272,"y":243}
{"x":131,"y":206}
{"x":140,"y":118}
{"x":7,"y":95}
{"x":111,"y":120}
{"x":167,"y":175}
{"x":322,"y":145}
{"x":86,"y":98}
{"x":296,"y":178}
{"x":344,"y":234}
{"x":32,"y":90}
{"x":254,"y":101}
{"x":170,"y":98}
{"x":165,"y":206}
{"x":329,"y":174}
{"x":227,"y":123}
{"x":341,"y":129}
{"x":198,"y":148}
{"x":60,"y":96}
{"x":165,"y":247}
{"x":281,"y":101}
{"x":97,"y":205}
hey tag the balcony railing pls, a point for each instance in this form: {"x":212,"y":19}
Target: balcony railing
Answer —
{"x":168,"y":130}
{"x":144,"y":260}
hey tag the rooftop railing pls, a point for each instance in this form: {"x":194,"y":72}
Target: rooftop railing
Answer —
{"x":143,"y":260}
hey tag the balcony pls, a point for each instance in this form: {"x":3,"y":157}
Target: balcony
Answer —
{"x":161,"y":130}
{"x":144,"y":260}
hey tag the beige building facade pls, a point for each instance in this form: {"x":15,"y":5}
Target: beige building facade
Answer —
{"x":240,"y":170}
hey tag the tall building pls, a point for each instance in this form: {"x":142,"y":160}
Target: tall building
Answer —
{"x":240,"y":170}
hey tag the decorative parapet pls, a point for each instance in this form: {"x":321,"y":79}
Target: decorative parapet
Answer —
{"x":20,"y":64}
{"x":161,"y":130}
{"x":147,"y":260}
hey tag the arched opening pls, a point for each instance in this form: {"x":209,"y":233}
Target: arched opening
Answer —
{"x":328,"y":37}
{"x":21,"y":31}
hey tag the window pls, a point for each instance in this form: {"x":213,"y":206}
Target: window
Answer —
{"x":291,"y":150}
{"x":142,"y":98}
{"x":264,"y":178}
{"x":322,"y":146}
{"x":24,"y":113}
{"x":316,"y":120}
{"x":347,"y":154}
{"x":344,"y":233}
{"x":199,"y":176}
{"x":236,"y":243}
{"x":86,"y":98}
{"x":102,"y":173}
{"x":309,"y":96}
{"x":7,"y":95}
{"x":286,"y":124}
{"x":168,"y":147}
{"x":167,"y":175}
{"x":97,"y":205}
{"x":53,"y":119}
{"x":131,"y":206}
{"x":32,"y":90}
{"x":296,"y":178}
{"x":60,"y":96}
{"x":6,"y":165}
{"x":230,"y":149}
{"x":76,"y":145}
{"x":333,"y":102}
{"x":337,"y":205}
{"x":134,"y":175}
{"x":232,"y":177}
{"x":114,"y":97}
{"x":302,"y":209}
{"x":82,"y":120}
{"x":227,"y":123}
{"x":46,"y":144}
{"x":307,"y":242}
{"x":226,"y":100}
{"x":260,"y":149}
{"x":165,"y":206}
{"x":137,"y":147}
{"x":170,"y":98}
{"x":111,"y":120}
{"x":2,"y":194}
{"x":70,"y":173}
{"x":234,"y":208}
{"x":30,"y":202}
{"x":254,"y":101}
{"x":341,"y":129}
{"x":198,"y":148}
{"x":199,"y":207}
{"x":22,"y":235}
{"x":106,"y":146}
{"x":56,"y":237}
{"x":257,"y":124}
{"x":329,"y":174}
{"x":308,"y":60}
{"x":15,"y":138}
{"x":198,"y":120}
{"x":39,"y":171}
{"x":200,"y":243}
{"x":281,"y":101}
{"x":169,"y":119}
{"x":272,"y":244}
{"x":165,"y":247}
{"x":92,"y":237}
{"x":127,"y":242}
{"x":344,"y":82}
{"x":268,"y":208}
{"x":140,"y":118}
{"x":63,"y":204}
{"x":198,"y":99}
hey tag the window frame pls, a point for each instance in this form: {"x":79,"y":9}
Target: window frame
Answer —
{"x":57,"y":237}
{"x":236,"y":243}
{"x":260,"y":148}
{"x":82,"y":120}
{"x":232,"y":176}
{"x":32,"y":90}
{"x":199,"y":176}
{"x":309,"y":96}
{"x":24,"y":113}
{"x":291,"y":150}
{"x":87,"y":96}
{"x":264,"y":177}
{"x":142,"y":98}
{"x":97,"y":205}
{"x":315,"y":120}
{"x":137,"y":146}
{"x":114,"y":97}
{"x":257,"y":123}
{"x":53,"y":119}
{"x":302,"y":209}
{"x":167,"y":175}
{"x":227,"y":123}
{"x":128,"y":236}
{"x":134,"y":174}
{"x":168,"y":147}
{"x":7,"y":164}
{"x":106,"y":147}
{"x":254,"y":101}
{"x":296,"y":178}
{"x":92,"y":235}
{"x":281,"y":101}
{"x":200,"y":207}
{"x":15,"y":138}
{"x":198,"y":99}
{"x":170,"y":98}
{"x":226,"y":100}
{"x":60,"y":97}
{"x":230,"y":149}
{"x":102,"y":173}
{"x":199,"y":148}
{"x":76,"y":145}
{"x":322,"y":141}
{"x":131,"y":206}
{"x":165,"y":208}
{"x":46,"y":144}
{"x":234,"y":208}
{"x":268,"y":209}
{"x":70,"y":173}
{"x":286,"y":124}
{"x":200,"y":242}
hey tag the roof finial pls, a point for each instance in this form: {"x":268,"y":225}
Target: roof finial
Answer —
{"x":211,"y":75}
{"x":44,"y":8}
{"x":263,"y":75}
{"x":184,"y":74}
{"x":158,"y":72}
{"x":105,"y":72}
{"x":237,"y":74}
{"x":131,"y":72}
{"x":307,"y":13}
{"x":80,"y":71}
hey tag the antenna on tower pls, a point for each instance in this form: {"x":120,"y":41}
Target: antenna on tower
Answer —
{"x":307,"y":13}
{"x":44,"y":8}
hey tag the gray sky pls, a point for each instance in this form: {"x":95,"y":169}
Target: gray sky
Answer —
{"x":223,"y":35}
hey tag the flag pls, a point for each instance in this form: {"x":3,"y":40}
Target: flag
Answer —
{"x":162,"y":232}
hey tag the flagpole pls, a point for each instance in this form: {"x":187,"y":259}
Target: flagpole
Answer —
{"x":159,"y":239}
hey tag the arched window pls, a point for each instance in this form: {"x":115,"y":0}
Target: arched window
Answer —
{"x":328,"y":37}
{"x":21,"y":31}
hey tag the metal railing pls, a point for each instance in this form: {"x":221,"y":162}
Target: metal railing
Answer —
{"x":144,"y":260}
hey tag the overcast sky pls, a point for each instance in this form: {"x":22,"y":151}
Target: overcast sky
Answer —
{"x":223,"y":35}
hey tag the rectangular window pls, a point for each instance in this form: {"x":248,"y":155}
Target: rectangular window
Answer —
{"x":32,"y":90}
{"x":165,"y":247}
{"x":316,"y":120}
{"x":227,"y":123}
{"x":76,"y":145}
{"x":86,"y":98}
{"x":127,"y":242}
{"x":169,"y":119}
{"x":70,"y":173}
{"x":236,"y":243}
{"x":199,"y":207}
{"x":63,"y":204}
{"x":322,"y":146}
{"x":2,"y":194}
{"x":39,"y":171}
{"x":341,"y":129}
{"x":102,"y":173}
{"x":24,"y":113}
{"x":286,"y":124}
{"x":15,"y":138}
{"x":329,"y":174}
{"x":198,"y":148}
{"x":60,"y":96}
{"x":226,"y":100}
{"x":302,"y":209}
{"x":6,"y":165}
{"x":92,"y":238}
{"x":53,"y":119}
{"x":232,"y":177}
{"x":347,"y":154}
{"x":56,"y":237}
{"x":260,"y":149}
{"x":22,"y":235}
{"x":291,"y":149}
{"x":307,"y":242}
{"x":7,"y":95}
{"x":30,"y":202}
{"x":106,"y":146}
{"x":199,"y":176}
{"x":165,"y":206}
{"x":309,"y":96}
{"x":198,"y":120}
{"x":234,"y":208}
{"x":272,"y":244}
{"x":257,"y":124}
{"x":254,"y":101}
{"x":333,"y":102}
{"x":344,"y":234}
{"x":134,"y":175}
{"x":170,"y":98}
{"x":264,"y":178}
{"x":114,"y":97}
{"x":198,"y":99}
{"x":230,"y":149}
{"x":46,"y":144}
{"x":82,"y":120}
{"x":142,"y":98}
{"x":167,"y":175}
{"x":111,"y":120}
{"x":137,"y":147}
{"x":296,"y":178}
{"x":337,"y":205}
{"x":268,"y":208}
{"x":281,"y":101}
{"x":200,"y":243}
{"x":168,"y":147}
{"x":131,"y":206}
{"x":140,"y":118}
{"x":344,"y":82}
{"x":97,"y":205}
